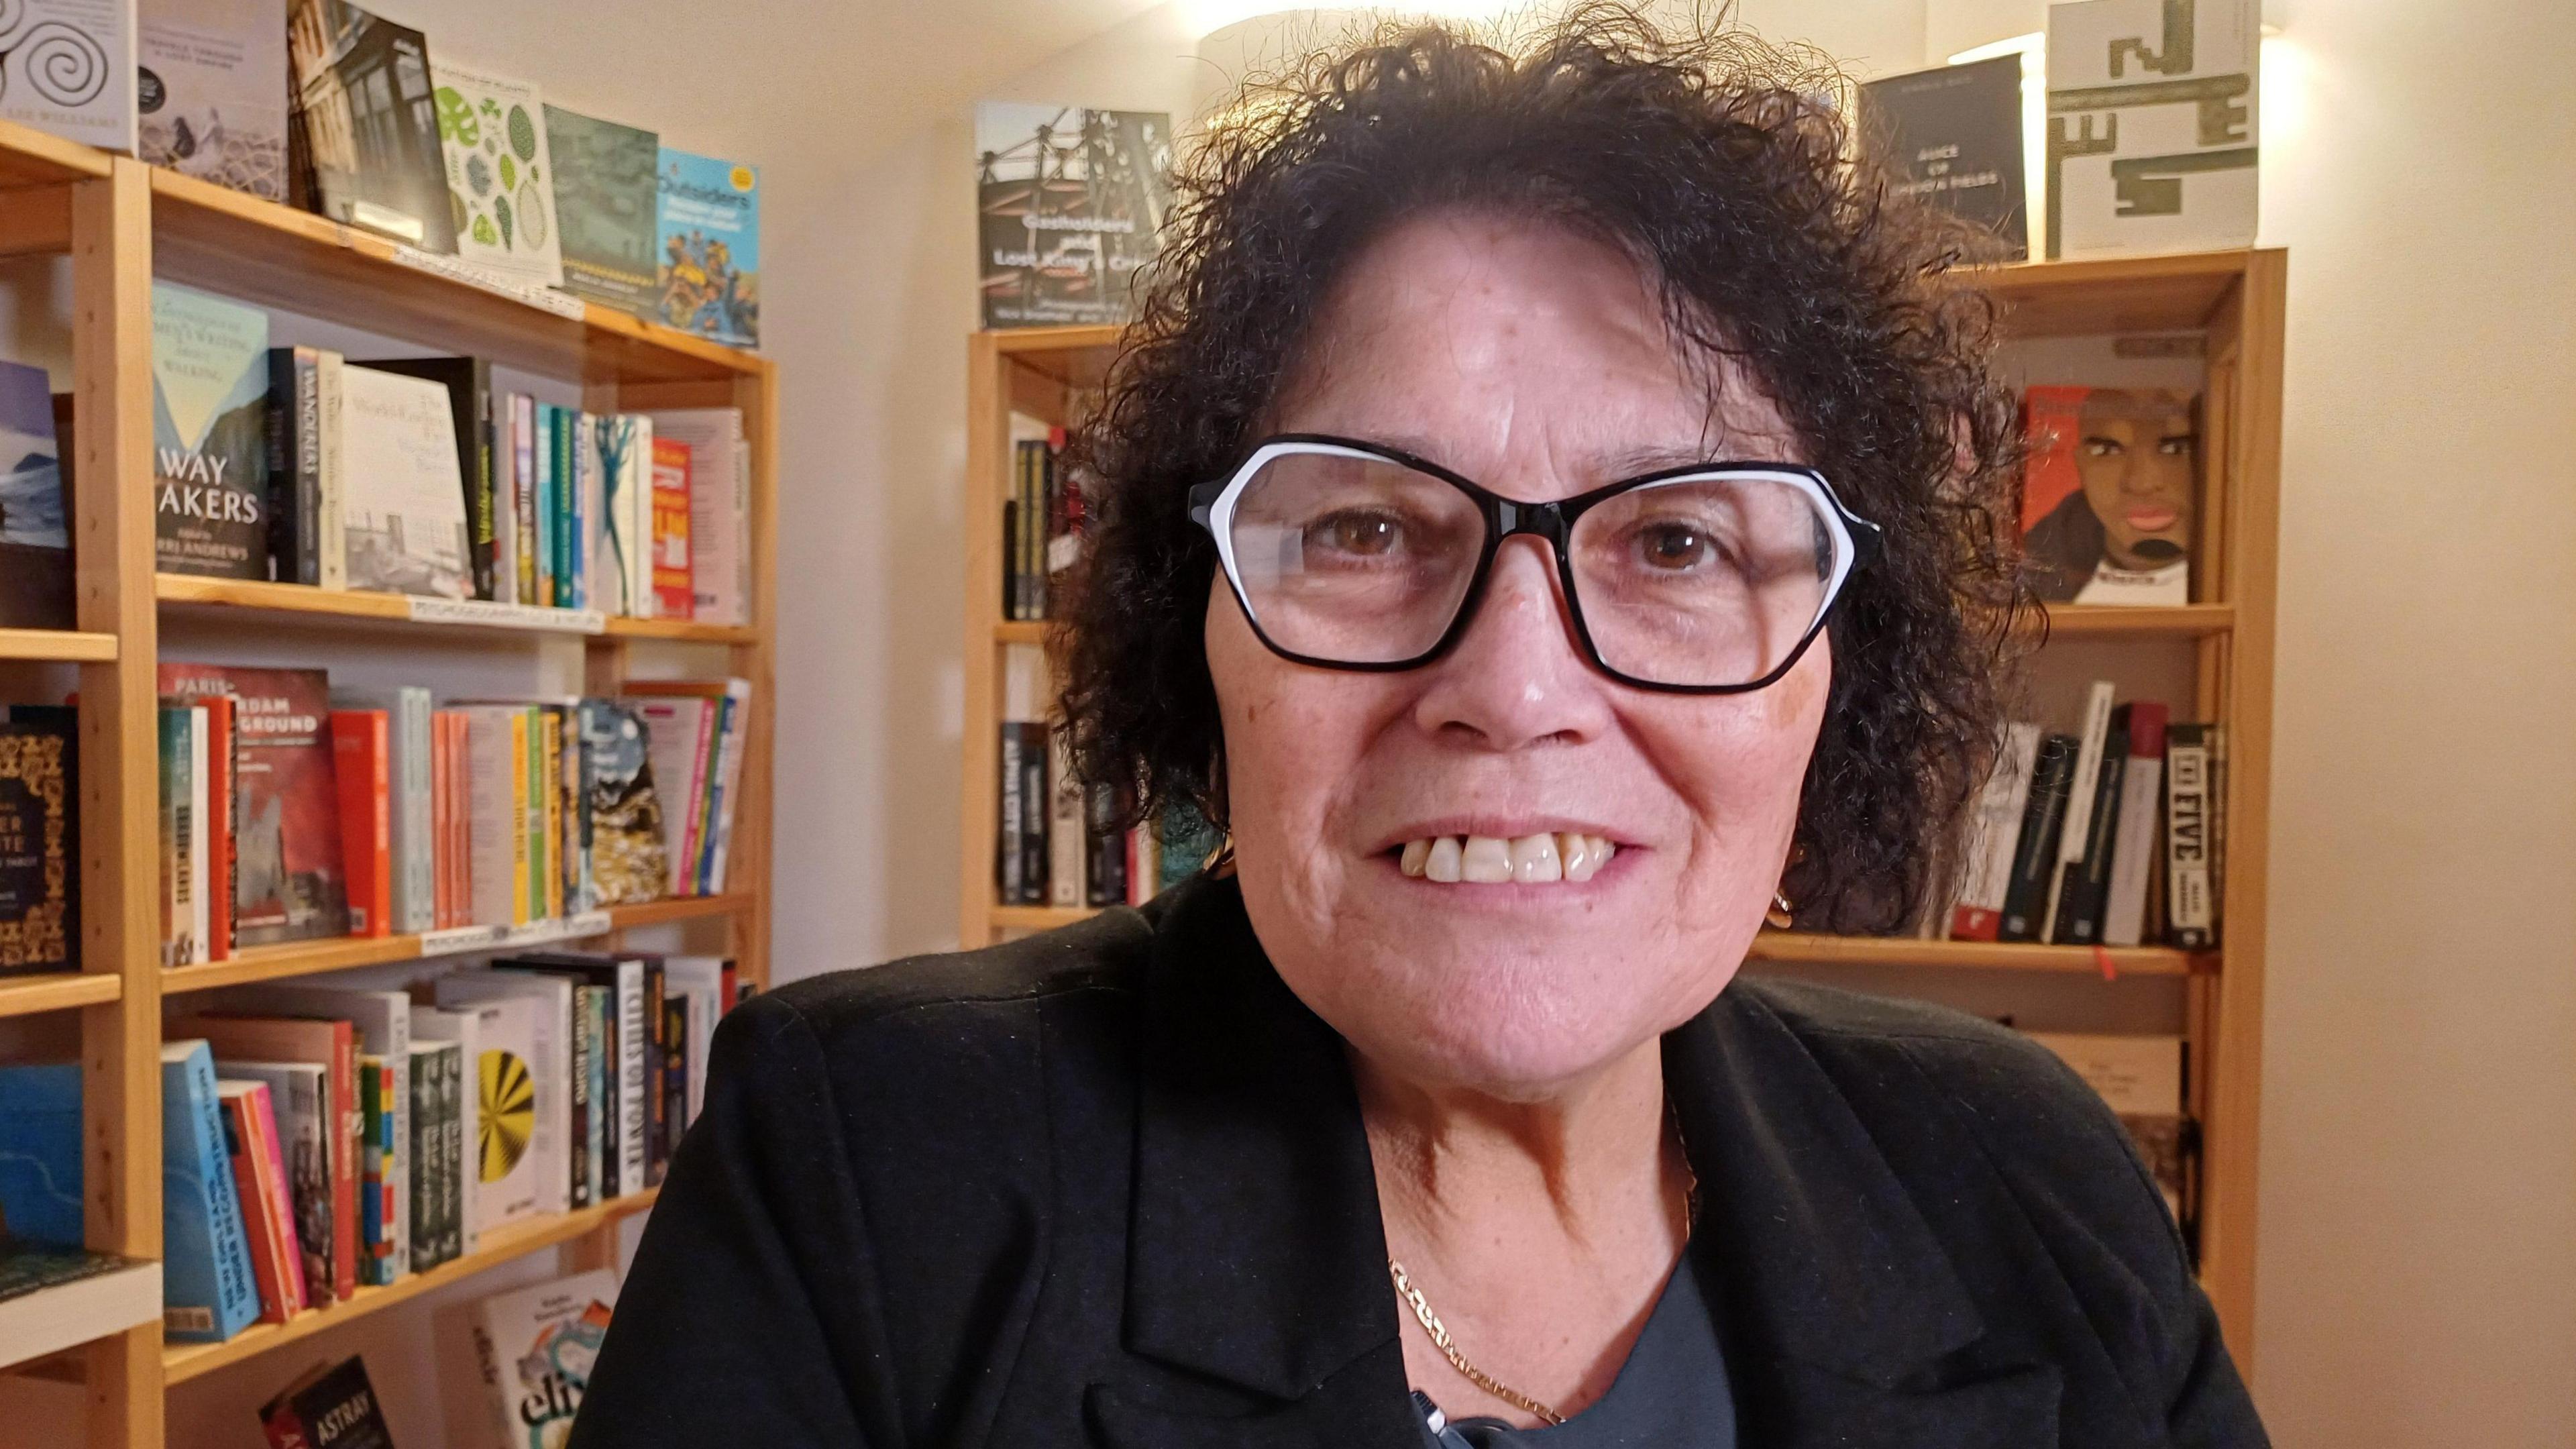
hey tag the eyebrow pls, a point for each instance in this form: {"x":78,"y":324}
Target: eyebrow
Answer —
{"x":1628,"y":463}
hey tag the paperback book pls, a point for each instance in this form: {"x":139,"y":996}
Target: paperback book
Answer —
{"x":500,"y":178}
{"x":605,"y":208}
{"x":2151,"y":125}
{"x":67,"y":67}
{"x":1069,"y":202}
{"x":35,"y":517}
{"x":288,"y":879}
{"x":39,"y":838}
{"x":534,"y":1348}
{"x":1952,"y":137}
{"x":366,"y":117}
{"x":708,"y":214}
{"x":209,"y":434}
{"x":2109,"y":489}
{"x":629,"y":861}
{"x":211,"y":93}
{"x":403,"y":516}
{"x":329,"y":1407}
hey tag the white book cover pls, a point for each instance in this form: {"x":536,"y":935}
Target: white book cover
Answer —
{"x":523,"y":1090}
{"x":618,"y":462}
{"x":415,"y":848}
{"x":463,"y":1026}
{"x":701,"y":980}
{"x":534,"y":1348}
{"x":730,"y":752}
{"x":2079,"y":798}
{"x":1997,"y":830}
{"x":67,"y":67}
{"x":2124,"y":916}
{"x":383,"y":1023}
{"x":677,"y":747}
{"x":494,"y":820}
{"x":211,"y":92}
{"x":492,"y":132}
{"x":719,"y":509}
{"x":403,"y":509}
{"x":332,"y":526}
{"x":2151,"y":125}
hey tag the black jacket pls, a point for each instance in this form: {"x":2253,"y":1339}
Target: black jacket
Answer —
{"x":1108,"y":1187}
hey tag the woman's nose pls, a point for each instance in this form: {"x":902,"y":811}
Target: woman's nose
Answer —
{"x":1517,"y":676}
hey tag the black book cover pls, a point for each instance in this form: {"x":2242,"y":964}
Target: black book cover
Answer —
{"x":329,"y":1409}
{"x":1952,"y":137}
{"x":2086,"y":890}
{"x":657,"y":1059}
{"x":294,"y":427}
{"x":369,"y":122}
{"x":1033,"y":812}
{"x":39,"y":838}
{"x":468,"y":381}
{"x":2035,"y":853}
{"x":1105,"y":861}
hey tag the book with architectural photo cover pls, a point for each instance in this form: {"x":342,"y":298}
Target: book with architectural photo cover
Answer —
{"x":287,"y":879}
{"x":1069,"y":203}
{"x":366,"y":118}
{"x":403,"y":512}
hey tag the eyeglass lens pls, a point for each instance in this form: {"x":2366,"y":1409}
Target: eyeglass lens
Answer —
{"x":1698,"y":581}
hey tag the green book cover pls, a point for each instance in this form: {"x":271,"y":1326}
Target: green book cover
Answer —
{"x":605,"y":216}
{"x":209,"y":434}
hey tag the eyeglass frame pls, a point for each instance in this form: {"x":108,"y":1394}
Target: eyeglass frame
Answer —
{"x":1857,"y":542}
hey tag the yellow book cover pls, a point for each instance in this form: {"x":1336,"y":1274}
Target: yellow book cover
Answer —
{"x":519,"y":818}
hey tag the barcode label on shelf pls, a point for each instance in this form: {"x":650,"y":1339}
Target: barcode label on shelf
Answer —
{"x":457,"y":939}
{"x":544,"y":299}
{"x":507,"y":616}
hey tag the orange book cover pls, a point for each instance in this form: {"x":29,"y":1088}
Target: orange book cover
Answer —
{"x":362,"y":759}
{"x":219,"y":826}
{"x":673,"y":596}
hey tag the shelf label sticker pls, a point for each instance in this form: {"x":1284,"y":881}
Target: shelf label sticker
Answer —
{"x":456,"y":940}
{"x":543,"y":298}
{"x":489,"y":615}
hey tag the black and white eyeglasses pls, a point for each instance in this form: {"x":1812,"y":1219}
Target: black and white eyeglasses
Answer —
{"x":1712,"y":578}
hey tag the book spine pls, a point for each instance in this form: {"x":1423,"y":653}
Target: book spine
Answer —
{"x":267,"y":1266}
{"x":294,"y":422}
{"x":348,"y":1154}
{"x":545,"y":505}
{"x":1104,"y":874}
{"x":223,"y":756}
{"x":1978,"y":915}
{"x":2086,"y":885}
{"x":502,"y":440}
{"x":359,"y":743}
{"x":282,"y":1201}
{"x":331,"y":516}
{"x":2133,"y":852}
{"x":2088,"y":774}
{"x":634,"y":1089}
{"x":1033,"y":813}
{"x":2043,"y":819}
{"x":1007,"y":864}
{"x":1065,"y":837}
{"x":523,"y":441}
{"x":374,"y":1226}
{"x":2191,"y":914}
{"x":476,"y":470}
{"x":415,"y":897}
{"x":304,"y":1129}
{"x":657,"y":1074}
{"x":677,"y":1030}
{"x":549,"y":723}
{"x":201,"y":919}
{"x":581,"y":517}
{"x":583,"y":1166}
{"x":210,"y":1290}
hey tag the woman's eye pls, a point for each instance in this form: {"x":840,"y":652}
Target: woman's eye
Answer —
{"x":1672,"y":546}
{"x":1358,"y":533}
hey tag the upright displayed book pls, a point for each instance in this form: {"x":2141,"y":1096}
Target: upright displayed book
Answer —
{"x":500,"y":178}
{"x":534,"y":1348}
{"x":2140,"y":1078}
{"x":619,"y":462}
{"x":328,"y":1407}
{"x":209,"y":434}
{"x":468,"y":381}
{"x":2151,"y":125}
{"x":605,"y":208}
{"x":39,"y":838}
{"x":35,"y":516}
{"x":719,"y":509}
{"x":40,"y":1153}
{"x":2110,"y":487}
{"x":211,"y":1291}
{"x":288,"y":880}
{"x":404,"y":509}
{"x":306,"y":541}
{"x":67,"y":66}
{"x":367,"y":117}
{"x":708,"y":215}
{"x":1069,"y":203}
{"x":629,"y":861}
{"x":1952,"y":137}
{"x":211,"y":94}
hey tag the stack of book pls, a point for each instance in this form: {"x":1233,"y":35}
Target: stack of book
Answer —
{"x":1043,"y":521}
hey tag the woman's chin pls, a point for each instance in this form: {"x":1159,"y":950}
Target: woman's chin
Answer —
{"x":1487,"y":1028}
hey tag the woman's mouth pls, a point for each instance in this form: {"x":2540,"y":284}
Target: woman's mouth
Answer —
{"x":2151,"y":519}
{"x":1493,"y":860}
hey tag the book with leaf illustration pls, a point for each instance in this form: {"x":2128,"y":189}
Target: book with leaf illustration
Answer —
{"x":492,"y":133}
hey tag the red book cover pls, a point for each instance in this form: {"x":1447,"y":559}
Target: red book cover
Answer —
{"x":242,"y":1102}
{"x":2109,"y":493}
{"x":305,"y":1039}
{"x":672,"y":595}
{"x":362,"y":764}
{"x":271,"y":1154}
{"x":288,"y":884}
{"x":219,"y":826}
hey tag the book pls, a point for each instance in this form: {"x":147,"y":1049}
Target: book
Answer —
{"x":2140,"y":1078}
{"x":1978,"y":912}
{"x":697,"y":981}
{"x":404,"y":511}
{"x":380,"y":1260}
{"x":1069,"y":204}
{"x":719,"y":509}
{"x":680,"y":738}
{"x":1104,"y":870}
{"x":381,"y":1022}
{"x":35,"y":511}
{"x":1016,"y":803}
{"x":2151,"y":126}
{"x":249,"y":1046}
{"x":327,"y":1408}
{"x":496,"y":768}
{"x":437,"y":1141}
{"x":299,"y":1104}
{"x":299,"y":446}
{"x":69,"y":69}
{"x":363,"y":765}
{"x":2191,"y":804}
{"x":2110,"y":485}
{"x":707,"y":213}
{"x":41,"y":1153}
{"x":629,"y":861}
{"x":621,"y":564}
{"x":221,"y":722}
{"x":1951,"y":137}
{"x":625,"y":1059}
{"x":276,"y":1266}
{"x":534,"y":1347}
{"x":411,"y":798}
{"x":40,"y":858}
{"x":523,"y":497}
{"x":2085,"y":892}
{"x":179,"y":837}
{"x":210,"y":381}
{"x":522,"y":1084}
{"x":500,"y":179}
{"x":368,"y":120}
{"x":209,"y":1290}
{"x":605,"y":208}
{"x":288,"y":884}
{"x":669,"y":546}
{"x":1066,"y":836}
{"x":2075,"y":838}
{"x":211,"y":92}
{"x":2043,"y":821}
{"x":2133,"y":852}
{"x":468,"y":384}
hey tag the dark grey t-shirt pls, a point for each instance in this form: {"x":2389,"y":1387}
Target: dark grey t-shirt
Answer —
{"x":1670,"y":1394}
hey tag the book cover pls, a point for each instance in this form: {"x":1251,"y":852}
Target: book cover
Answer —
{"x":434,"y":1141}
{"x":1978,"y":913}
{"x":243,"y":1043}
{"x":670,"y":539}
{"x":2191,"y":803}
{"x":629,"y":862}
{"x":1069,"y":205}
{"x":41,"y":1153}
{"x":1952,"y":137}
{"x":223,"y":766}
{"x":39,"y":838}
{"x":627,"y":1041}
{"x":369,"y":121}
{"x":605,"y":208}
{"x":410,"y":797}
{"x":2133,"y":851}
{"x":178,"y":836}
{"x":2086,"y":887}
{"x":522,"y":1082}
{"x":468,"y":381}
{"x":2151,"y":125}
{"x":462,"y":1028}
{"x":35,"y":511}
{"x":210,"y":1292}
{"x":210,"y":382}
{"x":2110,"y":484}
{"x":288,"y":883}
{"x":719,"y":509}
{"x":708,"y":214}
{"x":67,"y":67}
{"x":211,"y":94}
{"x":273,"y":1259}
{"x":362,"y":766}
{"x":404,"y":509}
{"x":534,"y":1348}
{"x":381,"y":1021}
{"x":327,"y":1408}
{"x":500,"y":179}
{"x":621,"y":564}
{"x":2035,"y":848}
{"x":299,"y":1100}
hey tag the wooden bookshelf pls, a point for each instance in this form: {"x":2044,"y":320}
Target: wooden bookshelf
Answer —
{"x":2234,"y":300}
{"x":121,"y":225}
{"x":340,"y":953}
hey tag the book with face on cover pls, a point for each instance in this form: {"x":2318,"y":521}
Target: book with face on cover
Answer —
{"x":2110,"y":488}
{"x":212,"y":92}
{"x":492,"y":134}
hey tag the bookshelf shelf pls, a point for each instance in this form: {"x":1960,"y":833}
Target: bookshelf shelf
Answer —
{"x":371,"y":609}
{"x":182,"y":1363}
{"x":29,"y":157}
{"x":311,"y":958}
{"x":2231,"y":303}
{"x":56,"y":991}
{"x":68,"y":1315}
{"x":59,"y":644}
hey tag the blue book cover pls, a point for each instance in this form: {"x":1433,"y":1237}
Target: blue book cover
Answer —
{"x":40,"y":1153}
{"x":209,"y":434}
{"x":709,"y":267}
{"x":208,"y":1294}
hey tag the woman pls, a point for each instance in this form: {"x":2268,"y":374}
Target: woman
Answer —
{"x":1544,"y":511}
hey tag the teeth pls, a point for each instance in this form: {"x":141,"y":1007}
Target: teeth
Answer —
{"x":1492,"y":860}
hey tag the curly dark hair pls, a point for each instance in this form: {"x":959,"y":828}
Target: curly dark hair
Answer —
{"x":1708,"y":157}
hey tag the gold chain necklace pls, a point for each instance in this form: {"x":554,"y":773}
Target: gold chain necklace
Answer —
{"x":1440,"y":1336}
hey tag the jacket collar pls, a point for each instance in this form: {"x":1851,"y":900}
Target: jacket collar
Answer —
{"x":1257,"y":1254}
